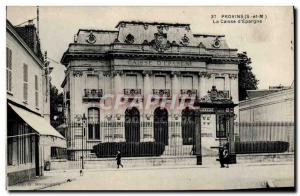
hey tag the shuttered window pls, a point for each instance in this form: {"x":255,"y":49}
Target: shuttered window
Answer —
{"x":8,"y":70}
{"x":36,"y":85}
{"x":25,"y":82}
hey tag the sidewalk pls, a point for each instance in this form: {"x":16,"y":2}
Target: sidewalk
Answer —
{"x":60,"y":179}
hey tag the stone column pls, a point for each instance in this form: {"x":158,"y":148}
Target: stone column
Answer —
{"x":147,"y":83}
{"x":117,"y":129}
{"x":234,"y":93}
{"x":175,"y":83}
{"x":146,"y":119}
{"x":234,"y":88}
{"x":227,"y":82}
{"x":175,"y":135}
{"x":201,"y":84}
{"x":118,"y":85}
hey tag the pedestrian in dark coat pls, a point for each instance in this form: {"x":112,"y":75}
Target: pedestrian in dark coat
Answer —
{"x":224,"y":155}
{"x":118,"y":158}
{"x":221,"y":156}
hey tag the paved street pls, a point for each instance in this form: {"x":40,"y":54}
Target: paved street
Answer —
{"x":240,"y":176}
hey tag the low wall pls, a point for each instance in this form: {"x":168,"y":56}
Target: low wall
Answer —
{"x":265,"y":157}
{"x":100,"y":163}
{"x":95,"y":163}
{"x":20,"y":176}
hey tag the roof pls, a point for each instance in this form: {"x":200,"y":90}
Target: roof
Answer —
{"x":11,"y":29}
{"x":38,"y":123}
{"x":145,"y":32}
{"x":152,"y":23}
{"x":258,"y":93}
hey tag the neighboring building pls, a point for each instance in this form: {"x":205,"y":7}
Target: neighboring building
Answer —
{"x":268,"y":115}
{"x":273,"y":105}
{"x":259,"y":93}
{"x":30,"y":136}
{"x":138,"y":59}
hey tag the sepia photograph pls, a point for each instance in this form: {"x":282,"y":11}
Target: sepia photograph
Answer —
{"x":150,"y":98}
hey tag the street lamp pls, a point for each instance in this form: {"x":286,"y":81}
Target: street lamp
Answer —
{"x":84,"y":119}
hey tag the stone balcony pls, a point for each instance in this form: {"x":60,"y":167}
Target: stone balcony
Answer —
{"x":162,"y":92}
{"x":92,"y":94}
{"x":132,"y":92}
{"x":188,"y":93}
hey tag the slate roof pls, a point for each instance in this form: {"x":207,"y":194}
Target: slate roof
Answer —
{"x":144,"y":32}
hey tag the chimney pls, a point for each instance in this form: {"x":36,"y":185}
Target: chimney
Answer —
{"x":29,"y":35}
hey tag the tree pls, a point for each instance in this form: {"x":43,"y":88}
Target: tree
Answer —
{"x":56,"y":103}
{"x":247,"y":80}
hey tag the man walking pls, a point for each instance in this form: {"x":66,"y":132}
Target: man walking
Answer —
{"x":118,"y":158}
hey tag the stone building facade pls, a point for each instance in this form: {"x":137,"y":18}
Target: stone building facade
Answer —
{"x":135,"y":63}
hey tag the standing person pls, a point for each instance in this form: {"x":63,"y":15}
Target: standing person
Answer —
{"x":118,"y":158}
{"x":221,"y":156}
{"x":226,"y":154}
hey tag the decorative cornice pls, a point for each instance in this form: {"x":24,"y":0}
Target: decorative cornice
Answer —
{"x":233,"y":76}
{"x":77,"y":73}
{"x":107,"y":73}
{"x":204,"y":74}
{"x":117,"y":72}
{"x":147,"y":72}
{"x":175,"y":73}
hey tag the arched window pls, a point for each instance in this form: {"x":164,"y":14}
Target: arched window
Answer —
{"x":93,"y":124}
{"x":132,"y":125}
{"x":161,"y":125}
{"x":188,"y":126}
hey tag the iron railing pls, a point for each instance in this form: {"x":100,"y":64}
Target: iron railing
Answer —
{"x":188,"y":92}
{"x":132,"y":92}
{"x":178,"y":139}
{"x":162,"y":92}
{"x":92,"y":94}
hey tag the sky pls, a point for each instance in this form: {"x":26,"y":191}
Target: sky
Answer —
{"x":269,"y":44}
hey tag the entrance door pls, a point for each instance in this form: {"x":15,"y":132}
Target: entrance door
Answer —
{"x":188,"y":126}
{"x":132,"y":125}
{"x":161,"y":125}
{"x":37,"y":157}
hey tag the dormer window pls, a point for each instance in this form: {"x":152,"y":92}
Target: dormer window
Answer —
{"x":129,"y":39}
{"x":91,"y":38}
{"x":216,"y":43}
{"x":185,"y":40}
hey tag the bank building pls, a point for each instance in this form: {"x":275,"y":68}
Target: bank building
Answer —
{"x":164,"y":61}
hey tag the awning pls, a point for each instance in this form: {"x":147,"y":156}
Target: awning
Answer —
{"x":38,"y":123}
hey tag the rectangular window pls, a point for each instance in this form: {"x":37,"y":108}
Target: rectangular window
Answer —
{"x":93,"y":124}
{"x":131,"y":81}
{"x":92,"y":81}
{"x":221,"y":126}
{"x":187,"y":82}
{"x":8,"y":70}
{"x":25,"y":82}
{"x":160,"y":82}
{"x":58,"y":153}
{"x":36,"y":85}
{"x":220,"y":83}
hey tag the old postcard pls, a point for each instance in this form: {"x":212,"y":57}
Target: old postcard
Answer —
{"x":150,"y":98}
